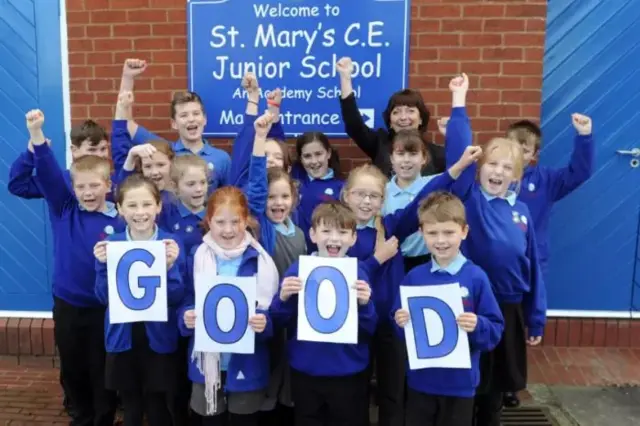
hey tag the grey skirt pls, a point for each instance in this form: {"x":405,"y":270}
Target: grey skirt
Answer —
{"x":236,"y":402}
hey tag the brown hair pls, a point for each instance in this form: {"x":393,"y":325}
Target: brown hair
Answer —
{"x":410,"y":98}
{"x":333,"y":213}
{"x":508,"y":147}
{"x":88,"y":130}
{"x":181,"y":98}
{"x":181,"y":164}
{"x":161,"y":146}
{"x":233,"y":197}
{"x":376,"y":173}
{"x":410,"y":140}
{"x":136,"y":181}
{"x":286,"y":154}
{"x":441,"y":206}
{"x":275,"y":174}
{"x":525,"y":132}
{"x":93,"y":164}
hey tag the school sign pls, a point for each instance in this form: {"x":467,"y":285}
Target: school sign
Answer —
{"x":294,"y":45}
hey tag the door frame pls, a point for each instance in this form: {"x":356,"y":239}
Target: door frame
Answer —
{"x":66,"y":112}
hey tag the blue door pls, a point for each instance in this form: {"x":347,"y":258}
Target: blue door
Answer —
{"x":30,"y":77}
{"x":592,"y":65}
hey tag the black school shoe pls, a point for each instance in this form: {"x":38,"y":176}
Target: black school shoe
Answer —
{"x":510,"y":400}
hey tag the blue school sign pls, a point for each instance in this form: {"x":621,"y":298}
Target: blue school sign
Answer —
{"x":294,"y":45}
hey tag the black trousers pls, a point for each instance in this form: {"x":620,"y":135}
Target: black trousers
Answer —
{"x":178,"y":401}
{"x":225,"y":419}
{"x":389,"y":357}
{"x":433,"y":410}
{"x":279,"y":416}
{"x":79,"y":334}
{"x":504,"y":369}
{"x":329,"y":401}
{"x":137,"y":404}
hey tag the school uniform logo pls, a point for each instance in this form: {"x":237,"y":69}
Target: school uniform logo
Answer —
{"x":189,"y":229}
{"x":464,"y":292}
{"x":109,"y":230}
{"x":240,"y":375}
{"x":328,"y":191}
{"x":176,"y":226}
{"x":520,"y":220}
{"x":210,"y":166}
{"x":531,"y":187}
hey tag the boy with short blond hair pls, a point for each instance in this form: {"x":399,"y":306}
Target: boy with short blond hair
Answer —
{"x":445,"y":396}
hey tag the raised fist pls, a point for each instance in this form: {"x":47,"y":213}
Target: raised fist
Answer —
{"x":35,"y":120}
{"x":582,"y":124}
{"x":344,"y":66}
{"x":250,"y":82}
{"x":459,"y":83}
{"x":133,"y":67}
{"x":263,"y":124}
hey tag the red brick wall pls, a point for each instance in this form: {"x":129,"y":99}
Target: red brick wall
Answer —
{"x":500,"y":44}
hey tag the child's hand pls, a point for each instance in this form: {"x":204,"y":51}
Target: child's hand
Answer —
{"x":470,"y":155}
{"x":442,"y":125}
{"x":125,"y":100}
{"x":173,"y":251}
{"x":133,"y":67}
{"x":386,"y":250}
{"x":250,"y":84}
{"x":143,"y":151}
{"x":582,"y":124}
{"x":189,"y":318}
{"x":402,"y":317}
{"x":363,"y":291}
{"x":258,"y":322}
{"x":345,"y":67}
{"x":263,"y":125}
{"x":100,"y":251}
{"x":534,"y":340}
{"x":467,"y":321}
{"x":35,"y":120}
{"x":459,"y":83}
{"x":290,"y":286}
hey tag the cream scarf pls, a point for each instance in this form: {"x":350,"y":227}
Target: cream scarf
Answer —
{"x":204,"y":266}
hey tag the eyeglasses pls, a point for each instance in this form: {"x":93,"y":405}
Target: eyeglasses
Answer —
{"x":361,"y":195}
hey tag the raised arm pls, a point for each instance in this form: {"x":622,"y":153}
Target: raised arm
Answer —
{"x":367,"y":139}
{"x":458,"y":86}
{"x":120,"y":138}
{"x":22,"y":182}
{"x":580,"y":168}
{"x":535,"y":301}
{"x":257,"y":188}
{"x":130,"y":70}
{"x":51,"y":178}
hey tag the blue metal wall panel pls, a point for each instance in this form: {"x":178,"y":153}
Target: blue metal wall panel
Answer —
{"x":591,"y":65}
{"x":30,"y":77}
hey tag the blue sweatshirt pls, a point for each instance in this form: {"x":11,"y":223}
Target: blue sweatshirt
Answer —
{"x":23,"y":183}
{"x":243,"y":147}
{"x":185,"y":224}
{"x":501,"y":237}
{"x":542,"y":186}
{"x":76,"y":231}
{"x":311,"y":193}
{"x":478,"y":298}
{"x":219,"y":161}
{"x":163,"y":336}
{"x":401,"y":224}
{"x":325,"y":359}
{"x":254,"y":367}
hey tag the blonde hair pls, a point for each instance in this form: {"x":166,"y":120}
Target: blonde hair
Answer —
{"x":93,"y":164}
{"x":441,"y":207}
{"x":504,"y":147}
{"x":375,"y":173}
{"x":182,"y":163}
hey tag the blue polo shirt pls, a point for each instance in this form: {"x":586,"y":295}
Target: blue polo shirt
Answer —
{"x":218,"y":161}
{"x":398,"y":198}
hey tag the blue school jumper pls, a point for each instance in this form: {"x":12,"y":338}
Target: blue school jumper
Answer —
{"x":311,"y":193}
{"x":243,"y":147}
{"x":398,"y":198}
{"x":245,"y":372}
{"x":478,"y":298}
{"x":325,"y":359}
{"x":501,"y":237}
{"x":401,"y":224}
{"x":185,"y":224}
{"x":218,"y":161}
{"x":23,"y":183}
{"x":163,"y":336}
{"x":542,"y":186}
{"x":75,"y":230}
